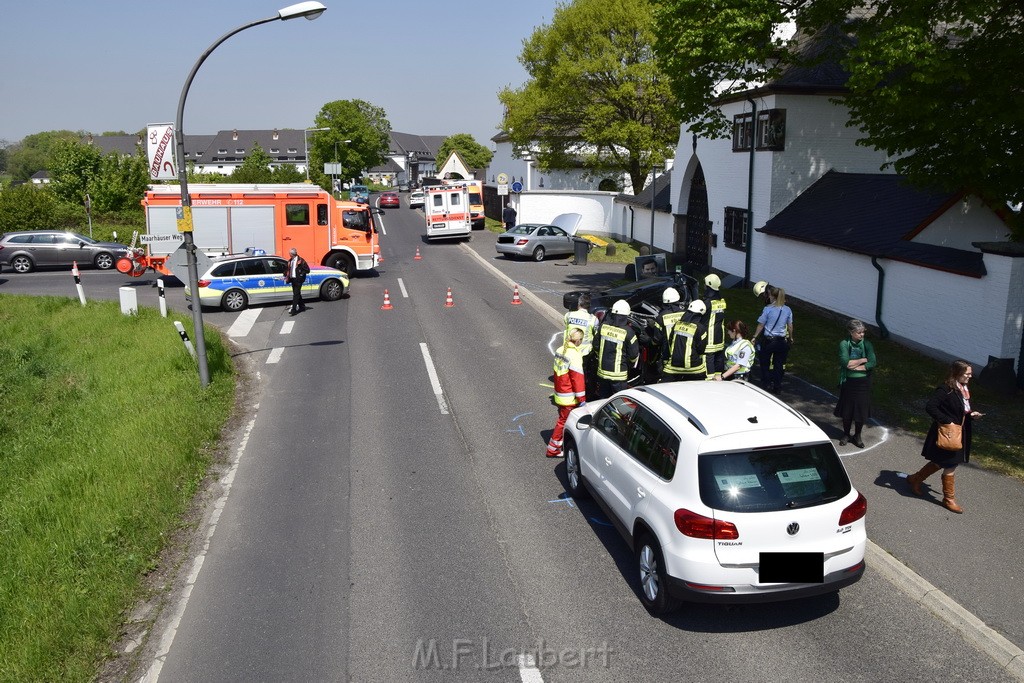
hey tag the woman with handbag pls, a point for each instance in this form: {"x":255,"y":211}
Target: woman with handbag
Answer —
{"x":948,"y":442}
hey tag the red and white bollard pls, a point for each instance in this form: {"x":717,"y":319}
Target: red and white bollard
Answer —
{"x":78,"y":282}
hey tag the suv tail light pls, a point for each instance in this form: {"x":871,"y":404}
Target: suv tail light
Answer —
{"x":698,"y":526}
{"x":854,"y":510}
{"x":204,"y":283}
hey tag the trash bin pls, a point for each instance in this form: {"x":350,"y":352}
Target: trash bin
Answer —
{"x":581,"y":248}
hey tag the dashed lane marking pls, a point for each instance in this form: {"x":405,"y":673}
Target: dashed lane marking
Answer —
{"x":244,"y":322}
{"x":275,"y":355}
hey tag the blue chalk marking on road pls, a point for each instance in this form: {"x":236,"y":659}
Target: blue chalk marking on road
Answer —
{"x":598,"y":520}
{"x":564,"y":498}
{"x":518,"y":429}
{"x":520,"y":415}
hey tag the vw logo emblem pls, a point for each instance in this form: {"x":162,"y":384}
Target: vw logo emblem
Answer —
{"x":793,"y":529}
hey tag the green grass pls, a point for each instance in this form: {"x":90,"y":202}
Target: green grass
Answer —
{"x":104,"y":437}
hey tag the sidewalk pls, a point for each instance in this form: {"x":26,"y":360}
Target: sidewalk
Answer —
{"x":967,"y":569}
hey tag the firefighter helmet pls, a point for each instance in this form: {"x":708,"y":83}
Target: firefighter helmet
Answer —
{"x":759,"y":287}
{"x":670,"y":295}
{"x":697,"y":306}
{"x":621,"y":307}
{"x":712,"y":281}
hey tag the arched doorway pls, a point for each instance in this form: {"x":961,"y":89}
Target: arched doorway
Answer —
{"x":697,"y":226}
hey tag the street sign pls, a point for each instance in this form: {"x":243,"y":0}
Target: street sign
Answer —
{"x":157,"y":239}
{"x":503,"y":179}
{"x":332,"y":169}
{"x":503,"y":189}
{"x":517,"y":186}
{"x":160,"y":146}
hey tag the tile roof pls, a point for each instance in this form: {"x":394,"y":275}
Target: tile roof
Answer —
{"x":874,"y":214}
{"x":662,"y":197}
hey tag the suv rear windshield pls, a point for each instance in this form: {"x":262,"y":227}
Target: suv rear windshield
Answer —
{"x":772,"y":479}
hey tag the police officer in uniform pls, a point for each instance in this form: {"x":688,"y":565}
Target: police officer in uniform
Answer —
{"x":685,"y":346}
{"x":617,"y":349}
{"x":715,"y":320}
{"x":587,"y":321}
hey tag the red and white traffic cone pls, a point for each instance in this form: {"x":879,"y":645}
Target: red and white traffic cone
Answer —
{"x":387,"y":302}
{"x":448,"y":302}
{"x":417,"y":257}
{"x":515,"y":296}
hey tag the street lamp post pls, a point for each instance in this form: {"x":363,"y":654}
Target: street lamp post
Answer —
{"x":309,"y":10}
{"x":306,"y":143}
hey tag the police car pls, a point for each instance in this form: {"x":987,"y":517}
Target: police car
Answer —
{"x":234,"y":282}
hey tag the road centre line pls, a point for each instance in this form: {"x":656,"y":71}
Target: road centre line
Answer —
{"x":244,"y":322}
{"x":401,"y":286}
{"x":286,"y":328}
{"x":275,"y":355}
{"x":528,"y":671}
{"x":434,"y":381}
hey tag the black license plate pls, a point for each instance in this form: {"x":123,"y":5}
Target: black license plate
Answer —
{"x":792,"y":568}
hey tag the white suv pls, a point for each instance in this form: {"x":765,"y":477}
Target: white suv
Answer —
{"x":724,"y":492}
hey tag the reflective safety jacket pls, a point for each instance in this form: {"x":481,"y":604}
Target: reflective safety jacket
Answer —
{"x":617,"y":348}
{"x":664,"y":321}
{"x":685,"y":347}
{"x":570,"y":387}
{"x":586,"y":320}
{"x":715,"y":320}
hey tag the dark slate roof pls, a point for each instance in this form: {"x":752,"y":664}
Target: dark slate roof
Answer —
{"x":662,"y":196}
{"x":424,"y":146}
{"x":122,"y":144}
{"x":874,"y":214}
{"x":41,"y":175}
{"x":233,"y":140}
{"x":820,"y":68}
{"x":196,"y":146}
{"x":389,"y":166}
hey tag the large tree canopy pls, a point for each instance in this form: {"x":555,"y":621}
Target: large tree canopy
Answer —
{"x":595,"y":92}
{"x":933,"y":82}
{"x":365,"y":126}
{"x":34,"y":151}
{"x":472,"y":152}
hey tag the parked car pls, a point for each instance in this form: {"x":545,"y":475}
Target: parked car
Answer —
{"x":416,"y":199}
{"x":538,"y":240}
{"x":27,"y":250}
{"x":725,"y":493}
{"x":236,"y":281}
{"x":389,"y":200}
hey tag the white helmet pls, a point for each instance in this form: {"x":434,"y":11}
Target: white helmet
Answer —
{"x":697,"y":306}
{"x":670,"y":295}
{"x":759,"y":287}
{"x":713,"y":281}
{"x":621,"y":307}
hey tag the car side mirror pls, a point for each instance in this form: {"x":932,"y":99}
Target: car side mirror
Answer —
{"x":586,"y":421}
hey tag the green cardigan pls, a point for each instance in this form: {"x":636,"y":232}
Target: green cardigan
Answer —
{"x":849,"y":350}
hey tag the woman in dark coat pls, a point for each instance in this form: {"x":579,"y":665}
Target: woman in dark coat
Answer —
{"x":949,"y":403}
{"x":856,"y":361}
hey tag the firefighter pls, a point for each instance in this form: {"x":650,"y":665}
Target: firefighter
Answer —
{"x":570,"y":390}
{"x":671,"y":311}
{"x":617,"y":349}
{"x":583,"y":318}
{"x":685,"y":346}
{"x":715,"y":320}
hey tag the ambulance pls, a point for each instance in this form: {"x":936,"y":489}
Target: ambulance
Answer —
{"x":233,"y":218}
{"x":476,"y":201}
{"x":447,"y":211}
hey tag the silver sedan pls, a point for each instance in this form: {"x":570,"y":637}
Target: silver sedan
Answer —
{"x":536,"y":241}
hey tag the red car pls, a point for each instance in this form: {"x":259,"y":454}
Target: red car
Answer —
{"x":389,"y":200}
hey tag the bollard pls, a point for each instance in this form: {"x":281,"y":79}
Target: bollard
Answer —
{"x":184,"y":338}
{"x":163,"y":299}
{"x":129,"y":300}
{"x":78,"y":282}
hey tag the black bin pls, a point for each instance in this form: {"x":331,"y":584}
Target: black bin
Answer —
{"x":581,"y":249}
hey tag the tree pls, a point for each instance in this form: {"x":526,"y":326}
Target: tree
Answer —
{"x":74,"y":167}
{"x":365,"y":126}
{"x":473,"y":153}
{"x":120,"y":183}
{"x":595,"y":92}
{"x":255,"y":169}
{"x":34,"y":151}
{"x":921,"y":87}
{"x":27,"y":207}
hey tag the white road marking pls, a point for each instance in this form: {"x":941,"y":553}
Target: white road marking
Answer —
{"x":401,"y":286}
{"x":528,"y":671}
{"x":275,"y":355}
{"x":434,"y":382}
{"x":244,"y":322}
{"x":152,"y":675}
{"x":286,"y":328}
{"x":380,"y":223}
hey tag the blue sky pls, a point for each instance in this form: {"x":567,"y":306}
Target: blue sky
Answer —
{"x":107,"y":65}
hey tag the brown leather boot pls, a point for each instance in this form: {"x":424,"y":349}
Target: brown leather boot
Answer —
{"x":915,"y":480}
{"x":949,"y":494}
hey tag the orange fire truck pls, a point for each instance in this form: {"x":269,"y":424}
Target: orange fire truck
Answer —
{"x":231,"y":218}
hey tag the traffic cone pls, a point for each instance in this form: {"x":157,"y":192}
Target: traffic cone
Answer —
{"x":515,"y":296}
{"x":417,"y":257}
{"x":448,"y":302}
{"x":387,"y":302}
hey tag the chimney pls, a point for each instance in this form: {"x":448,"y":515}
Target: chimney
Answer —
{"x":234,"y":134}
{"x":275,"y":133}
{"x":138,"y":140}
{"x":89,"y":139}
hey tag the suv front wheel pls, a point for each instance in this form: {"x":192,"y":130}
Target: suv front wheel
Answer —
{"x":653,"y":581}
{"x":234,"y":300}
{"x":104,"y":261}
{"x":22,"y":264}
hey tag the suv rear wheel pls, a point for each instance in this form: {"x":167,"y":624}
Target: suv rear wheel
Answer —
{"x":653,"y":582}
{"x":573,"y":473}
{"x":104,"y":261}
{"x":234,"y":300}
{"x":341,"y":262}
{"x":22,"y":264}
{"x":331,"y":290}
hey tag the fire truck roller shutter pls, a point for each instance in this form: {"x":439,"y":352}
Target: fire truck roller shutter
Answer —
{"x":253,"y":226}
{"x":210,"y":225}
{"x":162,"y":220}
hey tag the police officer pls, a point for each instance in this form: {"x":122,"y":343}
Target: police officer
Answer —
{"x":587,"y":321}
{"x":715,"y":320}
{"x":685,"y":346}
{"x":617,"y":349}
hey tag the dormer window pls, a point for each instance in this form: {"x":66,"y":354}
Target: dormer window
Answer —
{"x":292,"y":150}
{"x":275,"y":150}
{"x":769,"y":135}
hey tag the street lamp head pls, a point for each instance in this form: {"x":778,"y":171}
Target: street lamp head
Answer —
{"x":346,"y":141}
{"x":309,"y":10}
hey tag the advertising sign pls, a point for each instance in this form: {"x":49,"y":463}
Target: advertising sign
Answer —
{"x":160,"y":147}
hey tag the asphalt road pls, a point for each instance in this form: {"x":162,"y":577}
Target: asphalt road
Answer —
{"x":376,"y":530}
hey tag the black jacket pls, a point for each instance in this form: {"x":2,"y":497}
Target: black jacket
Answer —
{"x":946,"y":405}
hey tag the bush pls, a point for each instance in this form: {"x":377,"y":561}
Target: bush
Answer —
{"x":27,"y":207}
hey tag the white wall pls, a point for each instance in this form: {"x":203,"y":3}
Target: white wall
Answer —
{"x":541,"y":206}
{"x":967,"y":221}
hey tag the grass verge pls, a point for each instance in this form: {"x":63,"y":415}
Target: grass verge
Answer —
{"x":104,"y":437}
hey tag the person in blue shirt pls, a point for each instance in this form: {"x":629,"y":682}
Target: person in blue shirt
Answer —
{"x":776,"y":322}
